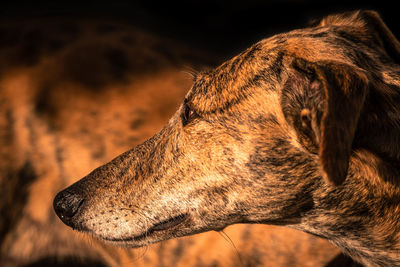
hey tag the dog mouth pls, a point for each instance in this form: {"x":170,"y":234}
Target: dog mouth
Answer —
{"x":171,"y":222}
{"x":158,"y":227}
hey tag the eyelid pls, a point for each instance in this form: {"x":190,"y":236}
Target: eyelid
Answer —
{"x":188,"y":113}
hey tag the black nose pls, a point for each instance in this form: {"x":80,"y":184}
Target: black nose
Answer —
{"x":67,"y":204}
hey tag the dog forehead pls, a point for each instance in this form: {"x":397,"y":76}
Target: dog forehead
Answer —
{"x":265,"y":64}
{"x":235,"y":80}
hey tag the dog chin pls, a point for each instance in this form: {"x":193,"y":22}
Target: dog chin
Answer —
{"x":173,"y":227}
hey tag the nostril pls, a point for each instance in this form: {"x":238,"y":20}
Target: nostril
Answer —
{"x":66,"y":204}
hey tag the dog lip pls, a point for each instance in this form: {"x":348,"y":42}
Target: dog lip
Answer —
{"x":158,"y":227}
{"x":171,"y":222}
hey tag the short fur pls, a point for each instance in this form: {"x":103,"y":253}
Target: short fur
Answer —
{"x":73,"y":94}
{"x":242,"y":152}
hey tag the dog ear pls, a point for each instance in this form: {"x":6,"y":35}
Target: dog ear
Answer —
{"x":381,"y":33}
{"x":372,"y":29}
{"x":343,"y":89}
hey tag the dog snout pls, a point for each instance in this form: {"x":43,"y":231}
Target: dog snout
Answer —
{"x":67,"y":204}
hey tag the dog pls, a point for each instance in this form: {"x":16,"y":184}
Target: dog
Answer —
{"x":301,"y":130}
{"x":73,"y":94}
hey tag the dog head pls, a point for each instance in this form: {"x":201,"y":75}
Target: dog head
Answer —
{"x":254,"y":141}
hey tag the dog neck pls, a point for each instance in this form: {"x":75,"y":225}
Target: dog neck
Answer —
{"x":379,"y":124}
{"x":362,"y":215}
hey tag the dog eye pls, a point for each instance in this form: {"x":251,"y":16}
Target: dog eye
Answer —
{"x":188,"y":114}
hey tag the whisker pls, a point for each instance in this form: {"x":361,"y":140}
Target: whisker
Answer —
{"x":192,"y":72}
{"x":229,"y":240}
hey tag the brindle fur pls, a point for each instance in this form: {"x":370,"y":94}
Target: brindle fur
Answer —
{"x":75,"y":93}
{"x":301,"y":129}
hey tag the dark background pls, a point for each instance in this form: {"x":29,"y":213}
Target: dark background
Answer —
{"x":220,"y":27}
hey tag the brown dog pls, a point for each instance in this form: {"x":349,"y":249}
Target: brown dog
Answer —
{"x":301,"y":130}
{"x":73,"y":94}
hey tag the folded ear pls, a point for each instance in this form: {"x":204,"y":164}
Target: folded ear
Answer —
{"x":382,"y":33}
{"x":344,"y":89}
{"x":372,"y":27}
